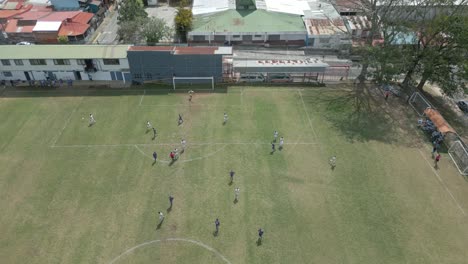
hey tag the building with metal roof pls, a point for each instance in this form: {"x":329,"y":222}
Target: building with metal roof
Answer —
{"x":66,"y":62}
{"x":314,"y":23}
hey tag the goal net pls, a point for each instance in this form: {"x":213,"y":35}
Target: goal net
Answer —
{"x":459,"y":155}
{"x":419,"y":103}
{"x":199,"y":83}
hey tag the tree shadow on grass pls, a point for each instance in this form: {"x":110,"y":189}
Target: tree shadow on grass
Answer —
{"x":358,"y":114}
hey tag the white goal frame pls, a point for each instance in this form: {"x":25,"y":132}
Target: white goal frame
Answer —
{"x":417,"y":95}
{"x":192,"y":78}
{"x":459,"y":155}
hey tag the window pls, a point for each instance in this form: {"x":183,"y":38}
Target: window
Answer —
{"x":111,"y":61}
{"x":198,"y":38}
{"x":257,"y":36}
{"x":6,"y":62}
{"x":148,"y":76}
{"x":62,"y":62}
{"x":137,"y":76}
{"x":19,"y":62}
{"x":81,"y":62}
{"x":7,"y":74}
{"x":324,"y":40}
{"x":236,"y":36}
{"x":38,"y":62}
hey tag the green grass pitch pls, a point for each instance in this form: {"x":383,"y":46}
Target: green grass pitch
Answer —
{"x":70,"y":193}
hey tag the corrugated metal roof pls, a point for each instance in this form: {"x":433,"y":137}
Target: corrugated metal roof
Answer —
{"x":47,"y":26}
{"x":325,"y":26}
{"x":63,"y":51}
{"x":209,"y":6}
{"x":184,"y":50}
{"x":247,"y":21}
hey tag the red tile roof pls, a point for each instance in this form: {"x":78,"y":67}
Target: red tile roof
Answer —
{"x":11,"y":13}
{"x":12,"y":27}
{"x":60,"y":16}
{"x":177,"y":50}
{"x":83,"y":17}
{"x":151,"y":48}
{"x":72,"y":29}
{"x":195,"y":50}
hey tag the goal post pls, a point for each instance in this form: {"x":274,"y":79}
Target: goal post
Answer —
{"x":190,"y":82}
{"x":419,"y":103}
{"x":459,"y":155}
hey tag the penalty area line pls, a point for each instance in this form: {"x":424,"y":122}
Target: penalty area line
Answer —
{"x":443,"y":183}
{"x":66,"y":123}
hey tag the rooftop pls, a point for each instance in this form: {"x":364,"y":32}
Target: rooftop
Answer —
{"x":247,"y":21}
{"x":184,"y":50}
{"x":63,"y":51}
{"x":47,"y":26}
{"x":325,"y":26}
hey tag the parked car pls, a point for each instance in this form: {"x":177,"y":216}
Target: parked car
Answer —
{"x":463,"y":105}
{"x":24,"y":43}
{"x":251,"y":78}
{"x":280,"y":78}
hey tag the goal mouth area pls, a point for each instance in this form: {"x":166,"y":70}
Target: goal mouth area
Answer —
{"x":193,"y":83}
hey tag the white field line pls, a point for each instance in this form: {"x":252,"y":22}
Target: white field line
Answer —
{"x":142,"y":96}
{"x":175,"y":144}
{"x":66,"y":123}
{"x":176,"y":105}
{"x":242,"y":96}
{"x":443,"y":183}
{"x":308,"y":117}
{"x":198,"y":243}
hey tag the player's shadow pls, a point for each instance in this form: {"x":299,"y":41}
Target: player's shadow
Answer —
{"x":230,"y":183}
{"x":224,"y":123}
{"x":169,"y":209}
{"x":159,"y":225}
{"x":280,"y":148}
{"x":215,"y":233}
{"x":273,"y":151}
{"x":172,"y":162}
{"x":235,"y":201}
{"x":259,"y":242}
{"x":154,"y":162}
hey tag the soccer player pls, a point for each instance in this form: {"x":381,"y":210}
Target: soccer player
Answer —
{"x":436,"y":160}
{"x":260,"y":233}
{"x":281,"y":143}
{"x":217,"y":223}
{"x":148,"y":126}
{"x":275,"y":135}
{"x":171,"y":199}
{"x":161,"y":217}
{"x":231,"y":174}
{"x":332,"y":162}
{"x":225,"y":118}
{"x":183,"y":142}
{"x":155,"y":156}
{"x":172,"y":155}
{"x":92,"y":121}
{"x":180,"y":120}
{"x":176,"y":153}
{"x":236,"y":193}
{"x":190,"y":95}
{"x":273,"y":147}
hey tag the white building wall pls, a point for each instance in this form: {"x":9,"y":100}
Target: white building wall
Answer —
{"x":39,"y":72}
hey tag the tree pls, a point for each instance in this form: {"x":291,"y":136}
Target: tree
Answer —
{"x":130,"y":32}
{"x":156,"y":29}
{"x":62,"y":39}
{"x":131,"y":10}
{"x":183,"y":20}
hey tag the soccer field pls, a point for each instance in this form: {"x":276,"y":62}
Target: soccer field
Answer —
{"x":70,"y":193}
